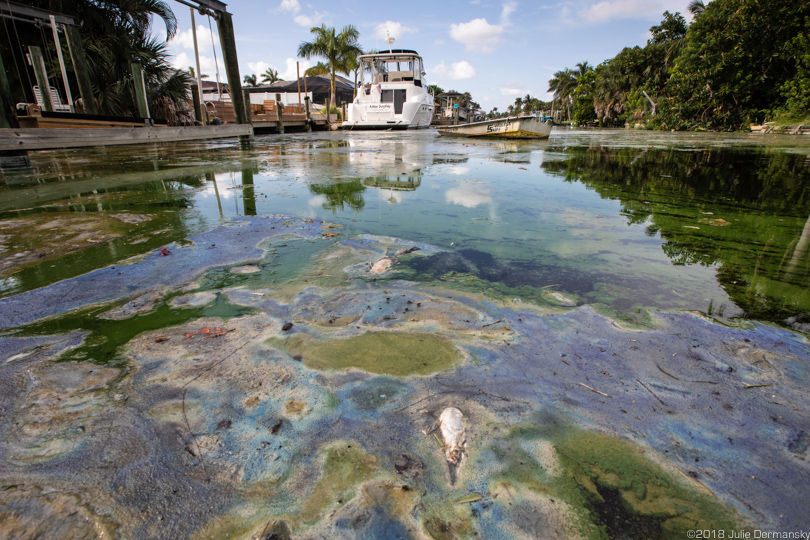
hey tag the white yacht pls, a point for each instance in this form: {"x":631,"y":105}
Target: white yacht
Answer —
{"x":393,"y":95}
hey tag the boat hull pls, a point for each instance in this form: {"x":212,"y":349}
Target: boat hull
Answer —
{"x":528,"y":127}
{"x":415,"y":115}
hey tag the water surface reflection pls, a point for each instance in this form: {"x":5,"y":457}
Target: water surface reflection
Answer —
{"x":628,"y":220}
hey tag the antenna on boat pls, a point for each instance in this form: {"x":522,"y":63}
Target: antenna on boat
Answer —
{"x":389,"y":40}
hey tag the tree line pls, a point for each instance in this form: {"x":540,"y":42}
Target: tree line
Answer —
{"x":739,"y":62}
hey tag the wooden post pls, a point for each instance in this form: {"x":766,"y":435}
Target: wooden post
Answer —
{"x":199,"y":113}
{"x":306,"y":107}
{"x":298,"y":74}
{"x":248,"y":192}
{"x":248,"y":110}
{"x":328,"y":107}
{"x":279,"y":115}
{"x":80,"y":68}
{"x":343,"y":115}
{"x":228,"y":43}
{"x":140,"y":87}
{"x":8,"y":114}
{"x":65,"y":81}
{"x":10,"y":159}
{"x":42,"y":77}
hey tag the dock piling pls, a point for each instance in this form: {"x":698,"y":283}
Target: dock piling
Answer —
{"x":9,"y":159}
{"x":279,"y":114}
{"x":42,"y":77}
{"x":80,"y":68}
{"x":140,"y":87}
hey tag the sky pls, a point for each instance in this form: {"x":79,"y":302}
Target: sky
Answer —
{"x":496,"y":50}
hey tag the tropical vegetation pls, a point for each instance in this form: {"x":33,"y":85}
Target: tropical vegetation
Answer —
{"x":113,"y":32}
{"x":739,"y":62}
{"x":270,"y":76}
{"x":340,"y":50}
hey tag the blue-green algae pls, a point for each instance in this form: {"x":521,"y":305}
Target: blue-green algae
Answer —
{"x":106,"y":336}
{"x":384,"y":353}
{"x":614,"y":489}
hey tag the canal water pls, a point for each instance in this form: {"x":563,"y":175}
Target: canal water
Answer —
{"x":623,"y":220}
{"x":203,"y":341}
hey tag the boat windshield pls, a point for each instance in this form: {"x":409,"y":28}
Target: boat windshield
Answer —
{"x":381,"y":69}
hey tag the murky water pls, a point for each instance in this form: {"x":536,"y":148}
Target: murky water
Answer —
{"x":627,"y":220}
{"x":261,"y":378}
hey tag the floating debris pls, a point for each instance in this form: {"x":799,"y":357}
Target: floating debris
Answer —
{"x":406,"y":251}
{"x":473,"y":497}
{"x":209,"y":332}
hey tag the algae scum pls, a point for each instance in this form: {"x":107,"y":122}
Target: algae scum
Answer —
{"x":203,"y":341}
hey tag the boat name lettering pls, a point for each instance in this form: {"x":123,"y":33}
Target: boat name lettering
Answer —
{"x":496,"y":127}
{"x":380,"y":106}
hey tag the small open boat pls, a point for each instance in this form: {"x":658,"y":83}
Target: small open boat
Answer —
{"x":514,"y":127}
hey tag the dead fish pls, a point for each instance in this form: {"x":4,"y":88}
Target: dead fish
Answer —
{"x":452,"y":428}
{"x":381,"y":266}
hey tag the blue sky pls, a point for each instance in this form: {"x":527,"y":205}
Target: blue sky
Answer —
{"x":495,"y":50}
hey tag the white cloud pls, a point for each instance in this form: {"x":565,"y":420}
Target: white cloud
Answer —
{"x":185,"y":39}
{"x":468,"y":196}
{"x":438,"y":42}
{"x":308,"y":21}
{"x":509,"y":92}
{"x":508,"y":9}
{"x":457,"y":71}
{"x":257,"y":68}
{"x":622,"y":9}
{"x":477,"y":35}
{"x":317,"y":200}
{"x":290,"y":5}
{"x":290,"y":73}
{"x":392,"y":28}
{"x":207,"y":66}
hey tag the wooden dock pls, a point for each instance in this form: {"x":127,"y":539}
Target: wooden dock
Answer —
{"x":49,"y":139}
{"x":265,"y":116}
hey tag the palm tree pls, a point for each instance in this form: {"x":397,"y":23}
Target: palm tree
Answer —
{"x":696,"y":8}
{"x":318,"y":69}
{"x":582,"y":69}
{"x":270,"y":76}
{"x":339,"y":50}
{"x":518,"y":105}
{"x":562,"y":85}
{"x":113,"y":34}
{"x":250,"y":80}
{"x":527,"y":103}
{"x":436,"y":89}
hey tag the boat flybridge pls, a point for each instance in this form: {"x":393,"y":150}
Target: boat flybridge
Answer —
{"x":393,"y":94}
